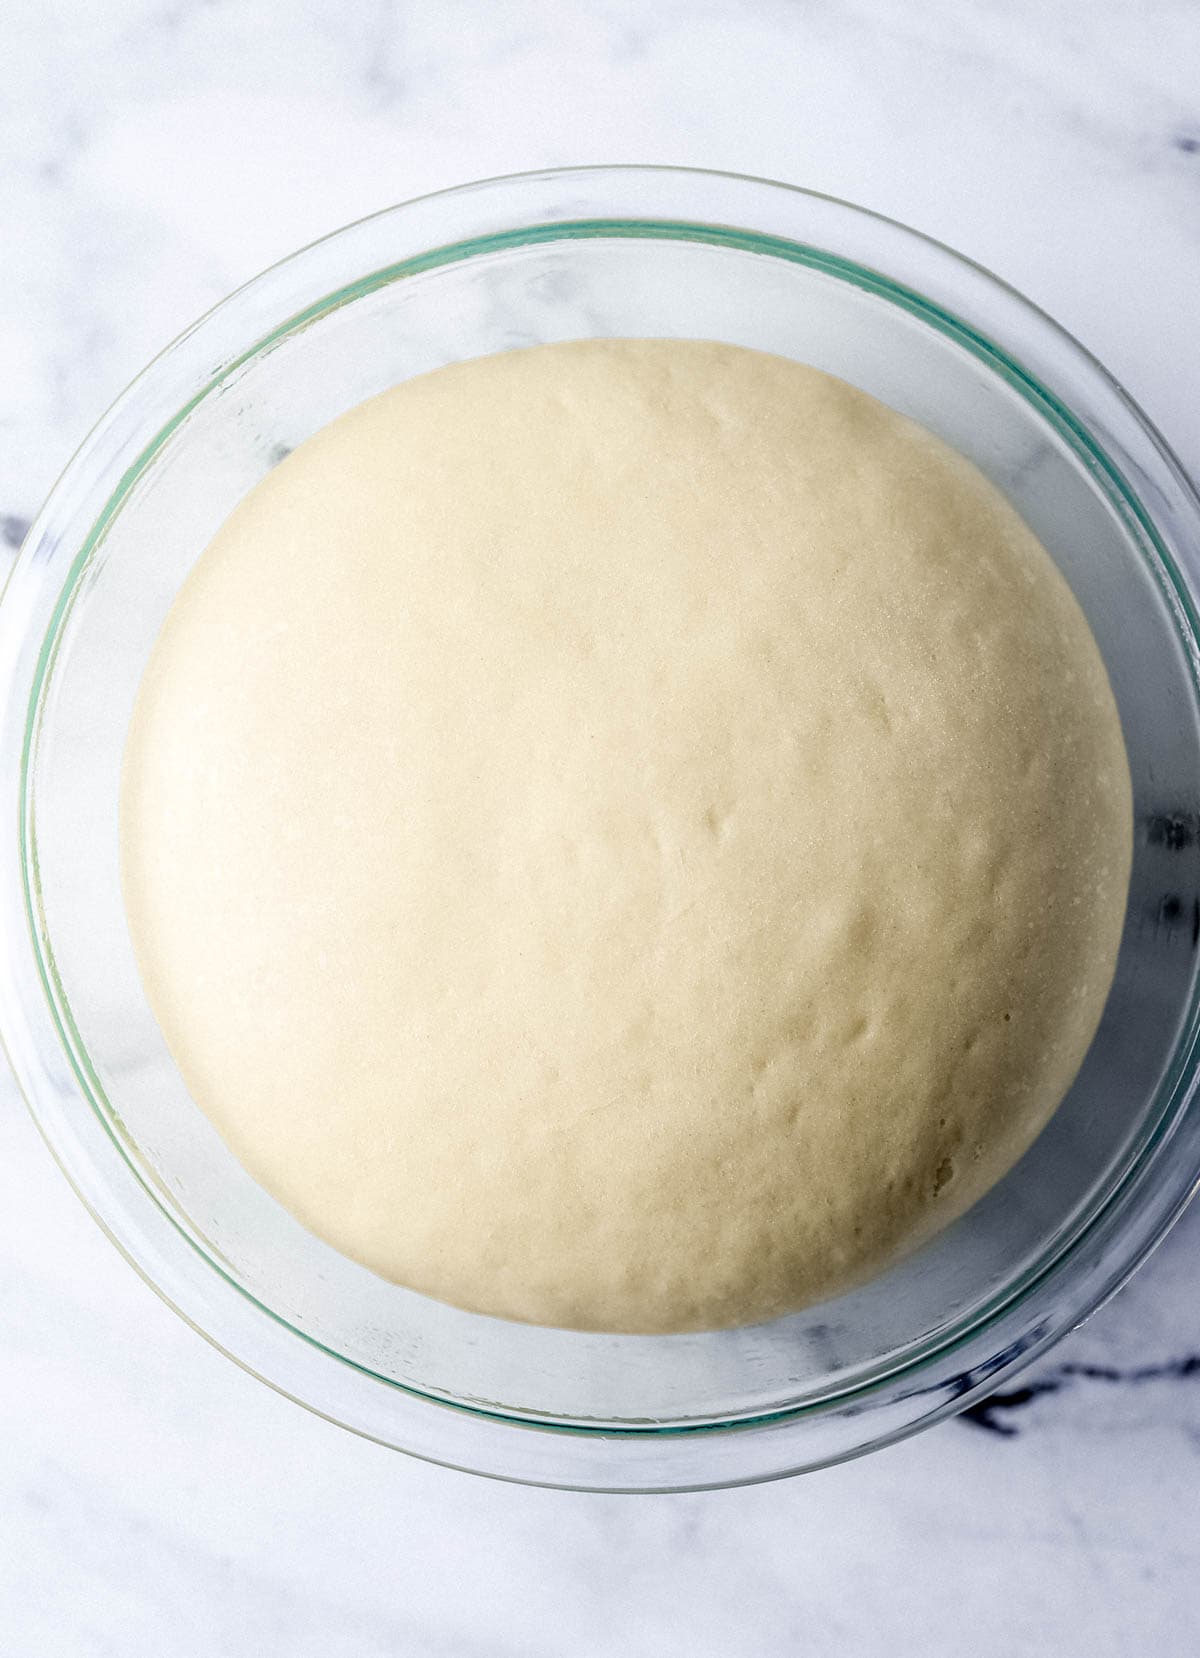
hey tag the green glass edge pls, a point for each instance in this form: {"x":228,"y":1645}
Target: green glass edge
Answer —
{"x":860,"y":276}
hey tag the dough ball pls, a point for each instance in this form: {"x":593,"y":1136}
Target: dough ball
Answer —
{"x":630,"y":835}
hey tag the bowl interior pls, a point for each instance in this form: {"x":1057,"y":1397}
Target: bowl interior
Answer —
{"x":551,"y":283}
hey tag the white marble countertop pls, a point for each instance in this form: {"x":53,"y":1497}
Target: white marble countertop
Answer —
{"x":153,"y":1499}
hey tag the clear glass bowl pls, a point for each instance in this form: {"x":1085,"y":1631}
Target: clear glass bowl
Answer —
{"x":510,"y":262}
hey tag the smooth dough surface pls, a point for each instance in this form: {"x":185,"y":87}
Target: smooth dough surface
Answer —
{"x":629,"y":834}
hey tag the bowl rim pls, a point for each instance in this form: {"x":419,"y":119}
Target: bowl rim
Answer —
{"x":37,"y":567}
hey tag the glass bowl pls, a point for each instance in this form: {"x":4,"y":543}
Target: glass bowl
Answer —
{"x":510,"y":262}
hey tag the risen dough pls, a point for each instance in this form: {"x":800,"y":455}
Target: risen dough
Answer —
{"x":627,"y":835}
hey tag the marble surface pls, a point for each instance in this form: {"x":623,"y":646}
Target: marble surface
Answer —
{"x":153,"y":1499}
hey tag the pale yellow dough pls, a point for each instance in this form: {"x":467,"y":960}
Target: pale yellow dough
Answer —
{"x":628,"y":835}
